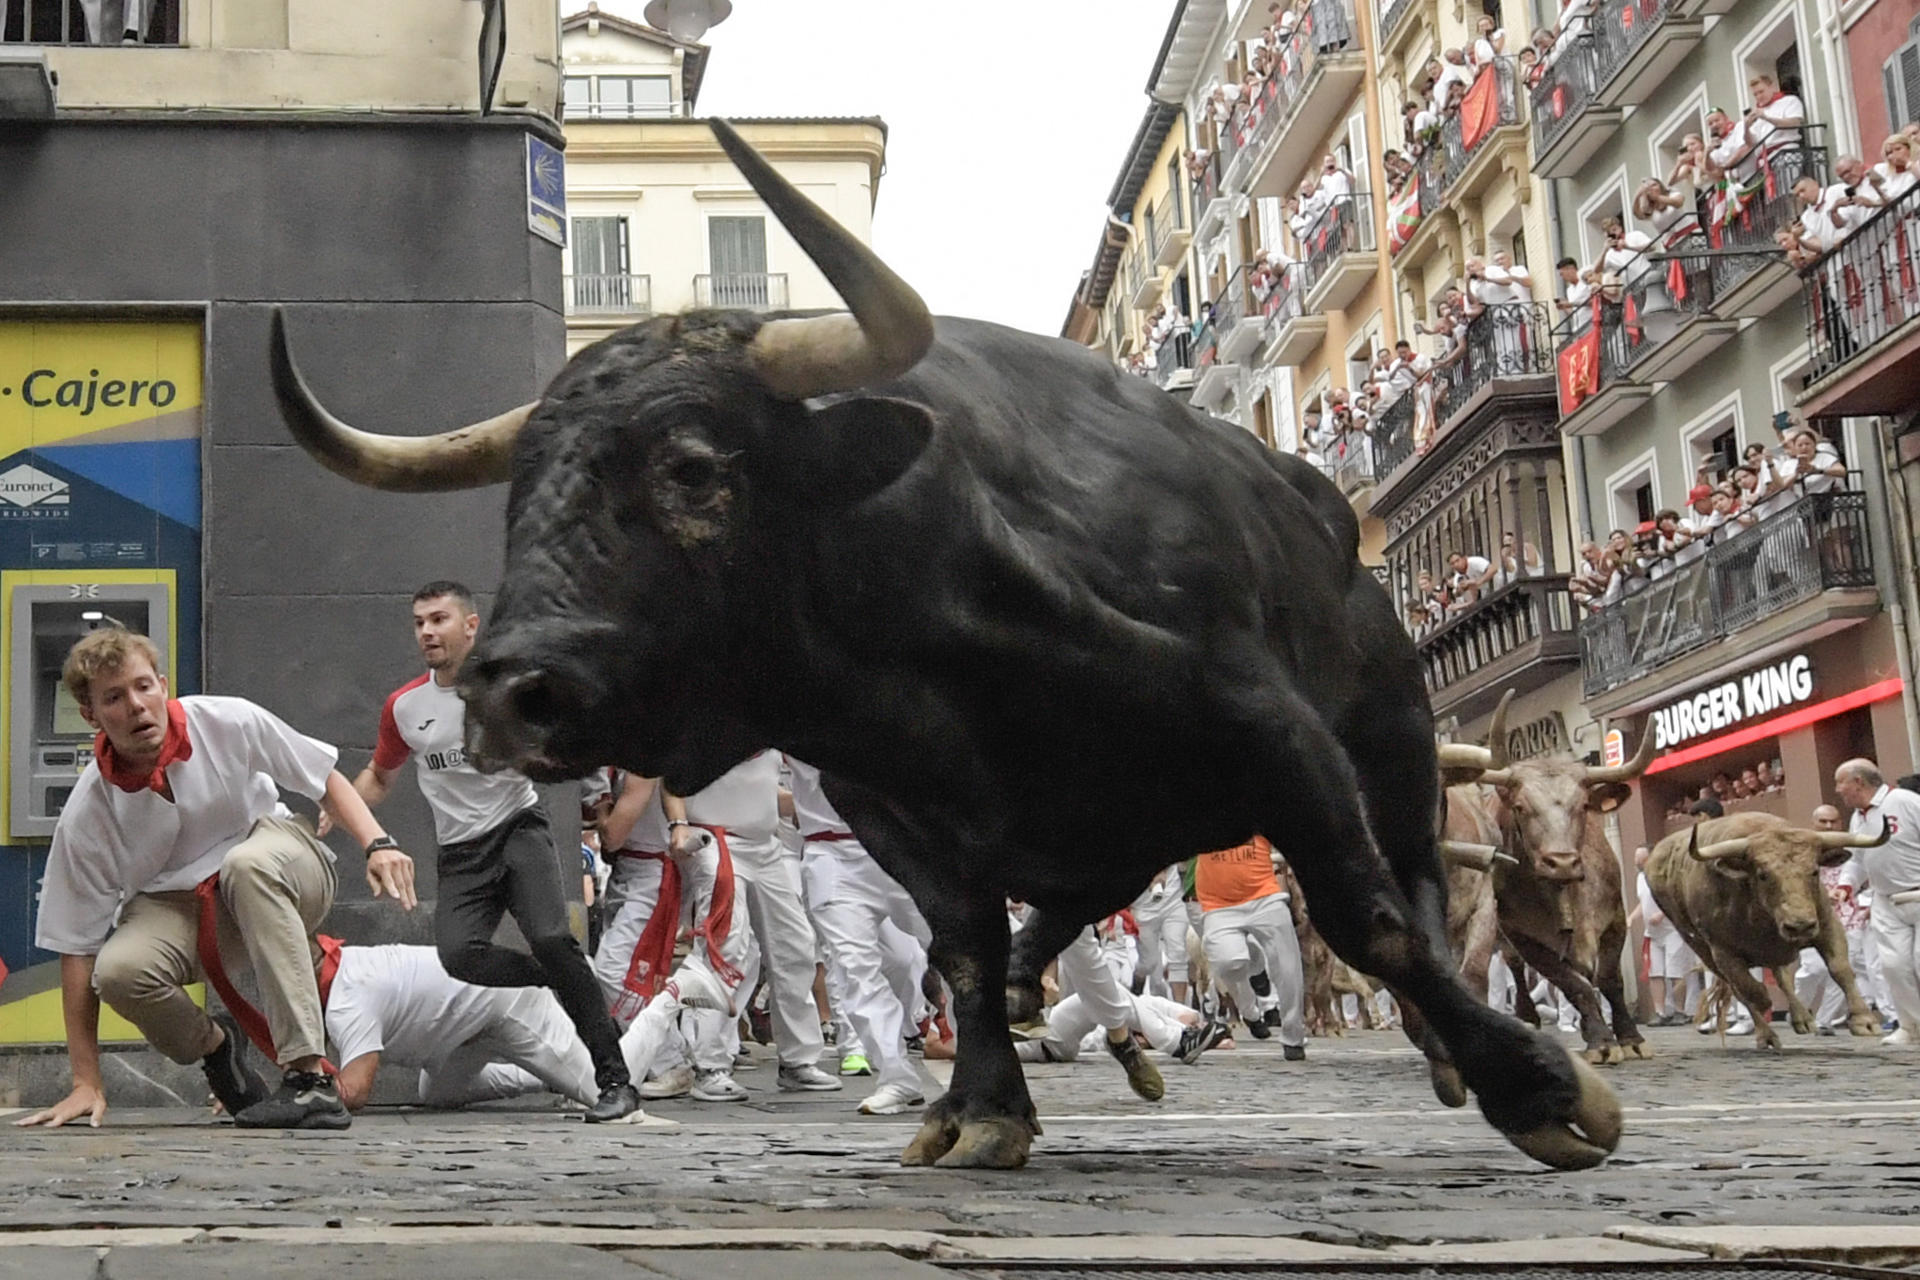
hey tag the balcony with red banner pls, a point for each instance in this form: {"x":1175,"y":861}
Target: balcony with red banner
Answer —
{"x":1486,"y":135}
{"x":1627,"y":48}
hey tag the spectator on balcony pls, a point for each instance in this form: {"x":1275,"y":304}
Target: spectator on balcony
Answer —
{"x":1508,"y":282}
{"x":1625,"y":254}
{"x":1518,"y":559}
{"x":1400,"y":372}
{"x":1420,"y":125}
{"x":1576,"y":17}
{"x":1397,"y":169}
{"x":1769,"y":781}
{"x":1590,"y":586}
{"x":1439,"y":603}
{"x":1774,"y":122}
{"x":1312,"y":456}
{"x":1451,"y":76}
{"x":1336,"y":183}
{"x":1472,"y":575}
{"x":1811,"y":466}
{"x":1221,"y":102}
{"x":1697,"y":530}
{"x":1576,"y":301}
{"x":1419,"y":620}
{"x":1691,"y":174}
{"x":1894,"y":176}
{"x":1489,"y":42}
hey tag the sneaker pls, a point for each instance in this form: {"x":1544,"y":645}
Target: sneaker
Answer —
{"x":674,"y":1083}
{"x":917,"y":1043}
{"x":855,"y":1064}
{"x":1900,"y":1039}
{"x":1294,"y":1052}
{"x":617,"y":1102}
{"x":891,"y":1100}
{"x":1273,"y":1018}
{"x":806,"y":1079}
{"x":237,"y":1085}
{"x":1197,"y":1039}
{"x":1262,"y":987}
{"x":829,"y":1034}
{"x":304,"y":1100}
{"x":717,"y":1085}
{"x":1142,"y":1076}
{"x":1259,"y":1028}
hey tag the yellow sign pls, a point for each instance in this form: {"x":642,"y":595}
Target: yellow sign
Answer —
{"x":98,"y":382}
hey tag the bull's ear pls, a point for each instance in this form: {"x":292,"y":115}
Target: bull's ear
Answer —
{"x":856,"y":445}
{"x":1608,"y":796}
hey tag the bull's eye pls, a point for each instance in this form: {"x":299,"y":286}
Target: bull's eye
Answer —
{"x":694,"y":472}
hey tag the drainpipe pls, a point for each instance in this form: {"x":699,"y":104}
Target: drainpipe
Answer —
{"x":1896,"y":579}
{"x":1574,"y":450}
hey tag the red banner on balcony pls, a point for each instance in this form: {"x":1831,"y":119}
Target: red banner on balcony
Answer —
{"x":1479,"y":109}
{"x":1579,"y":369}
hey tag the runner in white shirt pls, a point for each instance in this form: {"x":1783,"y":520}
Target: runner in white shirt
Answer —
{"x":1670,"y":963}
{"x":850,"y":897}
{"x":497,"y":854}
{"x":174,"y":860}
{"x":1892,"y":869}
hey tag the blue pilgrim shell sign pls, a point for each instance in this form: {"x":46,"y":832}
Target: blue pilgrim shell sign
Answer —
{"x":546,"y":191}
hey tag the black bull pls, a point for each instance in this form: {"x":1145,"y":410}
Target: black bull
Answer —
{"x":1044,"y":629}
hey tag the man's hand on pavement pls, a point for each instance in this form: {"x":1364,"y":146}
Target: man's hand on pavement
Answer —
{"x":390,"y":873}
{"x":85,"y":1100}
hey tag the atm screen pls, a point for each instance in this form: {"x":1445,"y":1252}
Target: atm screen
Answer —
{"x":67,"y":720}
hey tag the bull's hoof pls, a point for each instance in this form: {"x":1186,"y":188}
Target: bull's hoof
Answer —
{"x":1863,"y":1027}
{"x":1803,"y":1026}
{"x":937,"y":1136}
{"x":1584,"y":1137}
{"x":1638,"y":1049}
{"x":1023,"y":1005}
{"x":997,"y":1142}
{"x":1764,"y":1037}
{"x":1447,"y":1085}
{"x":1605,"y":1055}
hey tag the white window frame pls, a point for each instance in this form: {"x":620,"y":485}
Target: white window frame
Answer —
{"x":1614,"y":188}
{"x":1645,"y":468}
{"x":1766,"y":29}
{"x":1694,"y":110}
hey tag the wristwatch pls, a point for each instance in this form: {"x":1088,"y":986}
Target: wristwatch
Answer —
{"x":381,"y":842}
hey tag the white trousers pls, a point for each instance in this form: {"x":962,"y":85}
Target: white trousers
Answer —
{"x":1817,"y":989}
{"x":1163,"y":939}
{"x":1072,"y":1029}
{"x":530,"y":1047}
{"x":1083,"y":971}
{"x":770,"y":877}
{"x":1267,"y":923}
{"x":1896,"y":935}
{"x":851,"y":898}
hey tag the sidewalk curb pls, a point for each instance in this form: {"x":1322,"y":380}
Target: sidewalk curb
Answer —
{"x":1865,"y":1246}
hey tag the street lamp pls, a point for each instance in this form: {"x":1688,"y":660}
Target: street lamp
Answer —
{"x":687,"y":19}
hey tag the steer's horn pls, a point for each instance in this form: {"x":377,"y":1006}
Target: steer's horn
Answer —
{"x":478,"y":454}
{"x":888,"y":329}
{"x":1481,"y":857}
{"x":1848,"y":840}
{"x":1642,"y":757}
{"x":1718,"y":849}
{"x":1497,"y":733}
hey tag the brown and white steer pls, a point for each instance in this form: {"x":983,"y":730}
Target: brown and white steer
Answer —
{"x":1557,"y":893}
{"x":1745,"y":893}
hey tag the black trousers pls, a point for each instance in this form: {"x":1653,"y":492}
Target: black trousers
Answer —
{"x":512,"y":869}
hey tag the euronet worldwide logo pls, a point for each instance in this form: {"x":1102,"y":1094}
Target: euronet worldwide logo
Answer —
{"x":28,"y":493}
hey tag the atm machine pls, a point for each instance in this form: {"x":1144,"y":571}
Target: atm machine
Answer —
{"x":49,"y":743}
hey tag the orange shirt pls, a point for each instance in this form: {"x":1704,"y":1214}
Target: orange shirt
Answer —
{"x":1233,"y":876}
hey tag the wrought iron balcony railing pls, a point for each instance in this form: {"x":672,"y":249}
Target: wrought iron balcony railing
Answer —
{"x":1507,"y":340}
{"x":1285,"y":299}
{"x":1565,"y":90}
{"x":609,"y":295}
{"x":1859,"y":292}
{"x":1393,"y":435}
{"x":1503,"y":622}
{"x":1767,"y":209}
{"x":1465,"y":132}
{"x":1346,"y":226}
{"x":1817,"y":544}
{"x":747,"y":290}
{"x":1352,"y":459}
{"x":1172,"y":356}
{"x":58,"y":22}
{"x":1230,"y":308}
{"x":1207,"y":185}
{"x":1391,"y":14}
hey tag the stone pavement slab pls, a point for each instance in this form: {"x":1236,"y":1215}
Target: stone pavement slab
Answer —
{"x":43,"y":1263}
{"x":382,"y":1261}
{"x":767,"y":1264}
{"x":1886,"y":1245}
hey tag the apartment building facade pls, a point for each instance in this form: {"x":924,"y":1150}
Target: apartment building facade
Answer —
{"x":387,"y":175}
{"x":660,"y":221}
{"x":1692,"y":352}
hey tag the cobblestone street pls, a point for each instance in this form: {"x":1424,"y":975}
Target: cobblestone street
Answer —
{"x":1343,"y":1156}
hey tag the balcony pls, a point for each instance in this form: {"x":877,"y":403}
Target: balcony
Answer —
{"x":1432,"y":221}
{"x":58,"y":22}
{"x":1756,"y":284}
{"x":1640,"y":42}
{"x":1760,"y":577}
{"x":1293,"y":330}
{"x":1508,"y":352}
{"x":604,"y":295}
{"x":1212,"y":379}
{"x":1393,"y":436}
{"x":1341,"y":254}
{"x":1520,"y":637}
{"x":1569,"y":123}
{"x":742,"y":290}
{"x":1171,"y":234}
{"x":1352,"y":462}
{"x":1395,"y":24}
{"x":1239,"y":331}
{"x":1863,"y":318}
{"x":1487,"y":128}
{"x":1144,"y":284}
{"x":1209,"y":211}
{"x":1663,"y":324}
{"x":1173,"y":361}
{"x":1320,"y":69}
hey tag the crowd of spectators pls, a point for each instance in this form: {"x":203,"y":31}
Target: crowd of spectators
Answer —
{"x":1436,"y":93}
{"x":1466,"y":581}
{"x":1763,"y":777}
{"x":1719,"y":508}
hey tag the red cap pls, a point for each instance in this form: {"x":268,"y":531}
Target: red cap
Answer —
{"x":1700,"y":491}
{"x":1647,"y":526}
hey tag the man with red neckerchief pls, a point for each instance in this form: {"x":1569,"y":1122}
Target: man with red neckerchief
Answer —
{"x":174,"y":860}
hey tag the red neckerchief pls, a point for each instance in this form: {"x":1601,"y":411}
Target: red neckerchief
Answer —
{"x":130,"y":778}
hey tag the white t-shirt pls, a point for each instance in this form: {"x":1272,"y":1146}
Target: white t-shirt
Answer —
{"x":745,"y":799}
{"x":814,"y":814}
{"x":1895,"y":866}
{"x":427,"y":719}
{"x":1477,"y":567}
{"x":1893,"y":184}
{"x":1649,"y":909}
{"x":111,"y":844}
{"x":400,"y":1003}
{"x":1769,"y":132}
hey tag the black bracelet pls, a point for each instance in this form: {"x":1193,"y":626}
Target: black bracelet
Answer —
{"x":381,"y":842}
{"x":678,"y":822}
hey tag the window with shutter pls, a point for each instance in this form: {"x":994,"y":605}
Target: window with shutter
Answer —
{"x":737,"y":259}
{"x":601,"y":279}
{"x":1902,"y":74}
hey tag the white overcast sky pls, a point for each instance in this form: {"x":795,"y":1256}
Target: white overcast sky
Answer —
{"x":1007,"y":123}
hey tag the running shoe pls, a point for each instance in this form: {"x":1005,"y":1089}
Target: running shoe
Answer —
{"x":806,"y":1079}
{"x":891,"y":1100}
{"x":237,"y":1085}
{"x":304,"y":1100}
{"x":674,"y":1083}
{"x":1142,"y":1076}
{"x":616,"y":1103}
{"x":717,"y":1086}
{"x":855,"y":1064}
{"x":1197,"y":1039}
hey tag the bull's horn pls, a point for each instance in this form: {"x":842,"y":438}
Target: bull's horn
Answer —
{"x":888,"y":329}
{"x":480,"y":453}
{"x":1717,"y":850}
{"x":1642,"y":757}
{"x":1848,"y":840}
{"x":1497,"y":733}
{"x":1464,"y":755}
{"x":1463,"y":853}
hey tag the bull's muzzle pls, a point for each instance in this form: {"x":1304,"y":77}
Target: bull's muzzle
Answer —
{"x":1562,"y":868}
{"x":1799,"y":932}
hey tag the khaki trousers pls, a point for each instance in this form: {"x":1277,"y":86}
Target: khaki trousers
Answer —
{"x":275,"y":888}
